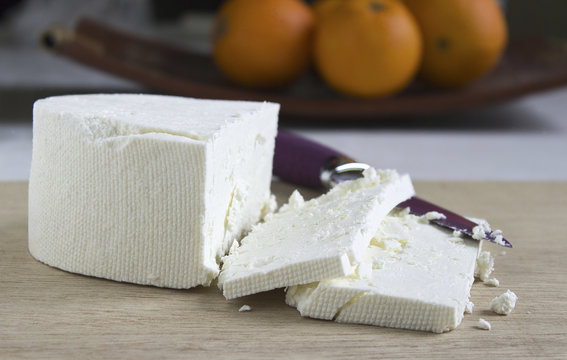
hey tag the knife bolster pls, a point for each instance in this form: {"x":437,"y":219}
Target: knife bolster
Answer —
{"x":340,"y":168}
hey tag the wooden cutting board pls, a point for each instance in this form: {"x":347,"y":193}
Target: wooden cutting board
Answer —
{"x":49,"y":313}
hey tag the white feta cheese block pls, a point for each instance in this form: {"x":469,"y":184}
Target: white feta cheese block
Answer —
{"x":313,"y":240}
{"x":421,"y":280}
{"x":147,"y":189}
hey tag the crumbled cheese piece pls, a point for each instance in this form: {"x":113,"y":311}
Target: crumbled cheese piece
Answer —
{"x":434,"y":215}
{"x":504,"y":304}
{"x":245,"y":308}
{"x":484,"y":265}
{"x":147,"y":189}
{"x":469,"y":307}
{"x":307,"y":241}
{"x":498,"y":237}
{"x":484,"y":225}
{"x":420,"y":280}
{"x":492,"y":282}
{"x":457,"y":233}
{"x":483,"y":229}
{"x":483,"y":324}
{"x":480,"y":231}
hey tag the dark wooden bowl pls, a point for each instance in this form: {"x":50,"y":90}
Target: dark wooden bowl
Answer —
{"x":528,"y":65}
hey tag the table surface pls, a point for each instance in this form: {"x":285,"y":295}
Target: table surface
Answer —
{"x":49,"y":313}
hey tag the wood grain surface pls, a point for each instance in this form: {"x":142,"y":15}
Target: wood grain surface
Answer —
{"x":49,"y":313}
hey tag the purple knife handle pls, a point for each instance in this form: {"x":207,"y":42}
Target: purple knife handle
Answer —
{"x":301,"y":161}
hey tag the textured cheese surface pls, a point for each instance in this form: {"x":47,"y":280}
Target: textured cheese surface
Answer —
{"x":421,"y":280}
{"x":318,"y":239}
{"x":144,"y":188}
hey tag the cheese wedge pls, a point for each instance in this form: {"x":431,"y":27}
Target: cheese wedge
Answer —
{"x":420,"y":279}
{"x":147,"y":189}
{"x":313,"y":240}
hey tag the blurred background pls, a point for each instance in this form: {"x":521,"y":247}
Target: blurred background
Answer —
{"x":524,"y":139}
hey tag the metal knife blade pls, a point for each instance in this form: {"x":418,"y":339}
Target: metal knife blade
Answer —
{"x":305,"y":162}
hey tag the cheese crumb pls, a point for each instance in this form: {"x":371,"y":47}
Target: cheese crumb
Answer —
{"x":480,"y":231}
{"x":245,"y":308}
{"x":469,"y":307}
{"x":483,"y":230}
{"x":484,"y":265}
{"x":434,"y":215}
{"x":498,"y":237}
{"x":483,"y":324}
{"x":504,"y":304}
{"x":492,"y":282}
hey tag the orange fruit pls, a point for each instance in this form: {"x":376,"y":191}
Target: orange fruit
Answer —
{"x":366,"y":48}
{"x":463,"y":39}
{"x":321,"y":6}
{"x":263,"y":44}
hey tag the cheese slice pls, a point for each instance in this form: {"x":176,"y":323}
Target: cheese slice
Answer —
{"x":420,"y":279}
{"x":313,"y":240}
{"x":144,"y":188}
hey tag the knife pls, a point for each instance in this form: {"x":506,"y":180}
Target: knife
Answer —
{"x":305,"y":162}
